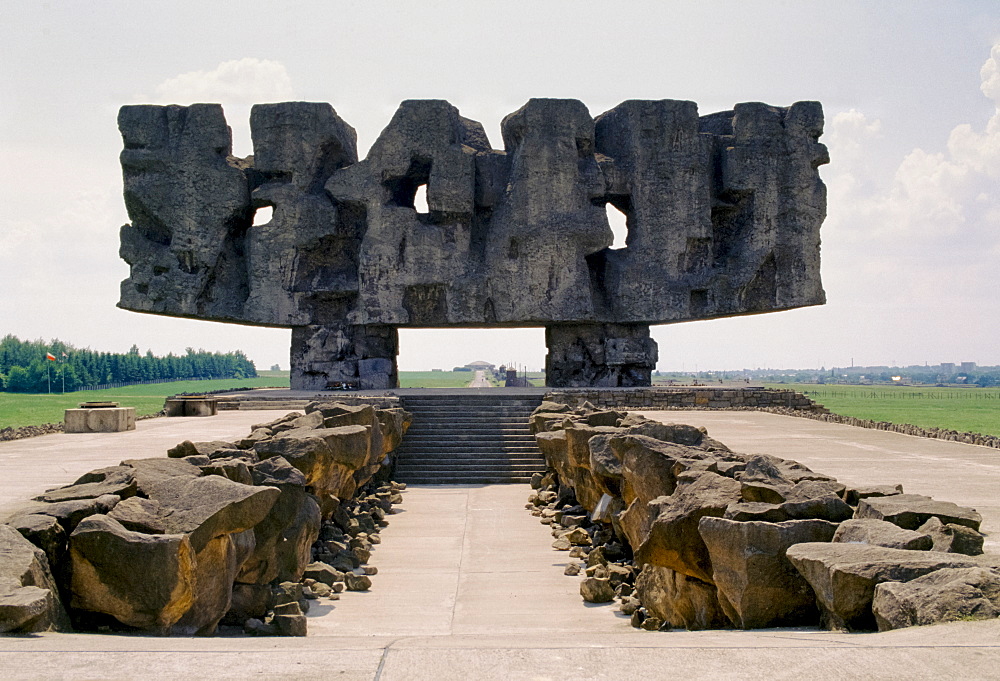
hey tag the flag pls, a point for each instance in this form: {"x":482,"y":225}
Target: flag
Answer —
{"x":49,"y":356}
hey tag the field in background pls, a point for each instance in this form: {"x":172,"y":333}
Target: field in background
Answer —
{"x":17,"y":410}
{"x":435,"y":379}
{"x":974,"y":410}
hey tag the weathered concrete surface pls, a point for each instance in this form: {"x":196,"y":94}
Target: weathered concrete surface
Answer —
{"x":723,"y":215}
{"x":469,"y":587}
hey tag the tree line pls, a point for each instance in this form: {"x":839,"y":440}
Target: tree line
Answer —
{"x":29,"y":367}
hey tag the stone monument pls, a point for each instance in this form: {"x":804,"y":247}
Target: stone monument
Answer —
{"x":723,"y":216}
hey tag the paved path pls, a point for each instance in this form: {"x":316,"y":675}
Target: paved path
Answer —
{"x":468,"y":587}
{"x":480,"y":380}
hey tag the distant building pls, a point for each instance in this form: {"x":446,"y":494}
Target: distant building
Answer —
{"x":968,"y":366}
{"x":947,"y":367}
{"x":480,"y":366}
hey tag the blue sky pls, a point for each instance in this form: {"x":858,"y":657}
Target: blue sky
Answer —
{"x":910,"y":89}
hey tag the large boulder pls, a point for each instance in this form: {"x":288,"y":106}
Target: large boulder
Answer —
{"x":29,"y":599}
{"x":674,"y":540}
{"x":757,"y":585}
{"x":70,"y":513}
{"x":680,"y":600}
{"x":328,"y":457}
{"x":881,"y":533}
{"x":45,"y":532}
{"x":142,"y":580}
{"x":118,"y":480}
{"x":185,"y":582}
{"x":650,"y":467}
{"x":952,"y":538}
{"x":844,"y":576}
{"x":553,"y":447}
{"x":284,"y":538}
{"x":188,"y":448}
{"x":151,"y":473}
{"x":337,"y":415}
{"x":910,"y":511}
{"x":943,"y":596}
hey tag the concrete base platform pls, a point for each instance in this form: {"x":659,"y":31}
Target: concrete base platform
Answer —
{"x":470,"y":588}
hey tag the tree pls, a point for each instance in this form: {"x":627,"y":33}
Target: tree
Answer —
{"x":17,"y":380}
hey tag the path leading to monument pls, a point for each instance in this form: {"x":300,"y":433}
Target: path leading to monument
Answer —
{"x":468,"y":586}
{"x":480,"y":381}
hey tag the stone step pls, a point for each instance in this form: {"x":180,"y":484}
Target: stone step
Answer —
{"x":481,"y":438}
{"x":470,"y":480}
{"x":439,"y":458}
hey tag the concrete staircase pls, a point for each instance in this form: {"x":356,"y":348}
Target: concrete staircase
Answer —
{"x":469,"y":438}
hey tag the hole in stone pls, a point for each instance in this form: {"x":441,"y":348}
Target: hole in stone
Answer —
{"x":424,"y":351}
{"x":263,"y":215}
{"x":420,"y":200}
{"x":619,"y":226}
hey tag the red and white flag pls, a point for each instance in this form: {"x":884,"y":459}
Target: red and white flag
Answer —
{"x":49,"y":356}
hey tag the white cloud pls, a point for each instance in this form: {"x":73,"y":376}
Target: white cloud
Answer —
{"x":923,"y":235}
{"x":239,"y":80}
{"x":236,"y":84}
{"x":990,"y":74}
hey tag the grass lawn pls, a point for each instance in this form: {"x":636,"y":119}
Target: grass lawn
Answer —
{"x":975,"y":410}
{"x":18,"y":410}
{"x":435,"y":379}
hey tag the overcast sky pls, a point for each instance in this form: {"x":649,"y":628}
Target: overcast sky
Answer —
{"x":911,"y":90}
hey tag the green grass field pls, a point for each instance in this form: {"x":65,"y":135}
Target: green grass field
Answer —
{"x":17,"y":410}
{"x":974,"y":410}
{"x":435,"y":379}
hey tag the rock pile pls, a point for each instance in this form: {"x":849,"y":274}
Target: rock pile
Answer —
{"x":217,"y":532}
{"x":687,"y":533}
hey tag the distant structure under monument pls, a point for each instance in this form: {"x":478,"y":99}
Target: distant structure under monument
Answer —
{"x":723,"y":216}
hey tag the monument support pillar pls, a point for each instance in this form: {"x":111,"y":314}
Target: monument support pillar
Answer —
{"x":599,"y":355}
{"x":332,"y":357}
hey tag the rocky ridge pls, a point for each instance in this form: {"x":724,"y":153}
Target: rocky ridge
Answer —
{"x":684,"y":532}
{"x":242,"y":533}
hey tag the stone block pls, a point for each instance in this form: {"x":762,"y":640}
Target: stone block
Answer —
{"x":99,"y":420}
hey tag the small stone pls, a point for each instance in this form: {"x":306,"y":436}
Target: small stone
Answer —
{"x":572,"y":570}
{"x":561,"y":544}
{"x":321,"y":590}
{"x":578,"y":537}
{"x":651,"y":624}
{"x":255,"y":627}
{"x":357,"y":582}
{"x":638,"y":615}
{"x":334,"y":597}
{"x":596,"y":557}
{"x":292,"y":608}
{"x":290,"y":625}
{"x":597,"y":590}
{"x":629,"y":606}
{"x":370,"y":570}
{"x":578,"y":552}
{"x":308,"y":593}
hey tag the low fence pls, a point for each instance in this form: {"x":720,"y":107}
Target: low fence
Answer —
{"x":122,"y":384}
{"x":971,"y":394}
{"x":679,"y":398}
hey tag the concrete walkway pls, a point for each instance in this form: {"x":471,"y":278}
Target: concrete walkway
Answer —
{"x":480,"y":380}
{"x":469,"y":588}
